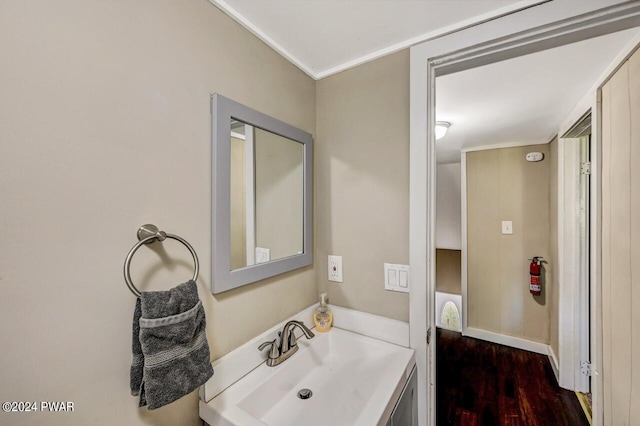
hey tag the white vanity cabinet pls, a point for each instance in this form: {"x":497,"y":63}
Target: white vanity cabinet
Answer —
{"x":405,"y":412}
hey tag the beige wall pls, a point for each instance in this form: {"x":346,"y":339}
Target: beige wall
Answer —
{"x":449,"y":271}
{"x":279,"y":194}
{"x":105,"y":126}
{"x":621,"y":244}
{"x":502,"y":185}
{"x":362,"y":182}
{"x":553,"y":284}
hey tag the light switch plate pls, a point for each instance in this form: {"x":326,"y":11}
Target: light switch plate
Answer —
{"x":507,"y":227}
{"x":403,"y":279}
{"x":396,"y":277}
{"x":335,"y":268}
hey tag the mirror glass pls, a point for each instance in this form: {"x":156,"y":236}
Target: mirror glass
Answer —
{"x":267,"y":189}
{"x":262,"y":200}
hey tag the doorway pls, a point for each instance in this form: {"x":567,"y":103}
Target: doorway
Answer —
{"x":536,"y":29}
{"x":576,"y":173}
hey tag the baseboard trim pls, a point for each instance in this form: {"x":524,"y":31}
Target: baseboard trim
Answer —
{"x":553,"y":360}
{"x":514,"y":342}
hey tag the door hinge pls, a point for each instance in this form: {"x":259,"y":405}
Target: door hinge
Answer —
{"x":585,"y":168}
{"x":428,"y":335}
{"x":585,"y":368}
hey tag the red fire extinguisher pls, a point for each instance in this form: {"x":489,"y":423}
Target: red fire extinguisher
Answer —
{"x":535,"y":272}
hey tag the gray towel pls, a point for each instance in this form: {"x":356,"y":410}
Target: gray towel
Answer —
{"x":170,"y":350}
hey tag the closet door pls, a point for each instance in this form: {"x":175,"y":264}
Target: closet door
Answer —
{"x":621,"y":244}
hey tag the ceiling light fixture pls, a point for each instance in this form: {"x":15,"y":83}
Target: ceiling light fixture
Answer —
{"x":441,"y":129}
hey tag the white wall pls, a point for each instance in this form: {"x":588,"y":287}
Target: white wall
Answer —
{"x":448,"y":224}
{"x":105,"y":126}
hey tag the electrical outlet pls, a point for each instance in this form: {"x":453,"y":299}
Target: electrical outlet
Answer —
{"x":335,"y":268}
{"x":263,"y":255}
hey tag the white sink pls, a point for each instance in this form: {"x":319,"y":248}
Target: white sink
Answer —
{"x":355,"y":380}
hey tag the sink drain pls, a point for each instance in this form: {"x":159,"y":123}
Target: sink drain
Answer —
{"x":305,"y":393}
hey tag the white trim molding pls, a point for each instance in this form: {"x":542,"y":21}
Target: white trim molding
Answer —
{"x":396,"y":47}
{"x":458,"y":26}
{"x":568,"y":261}
{"x":553,"y":360}
{"x":503,"y":339}
{"x":506,"y":145}
{"x":253,"y":29}
{"x":463,"y":237}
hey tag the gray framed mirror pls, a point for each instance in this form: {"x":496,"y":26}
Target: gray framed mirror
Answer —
{"x":262,"y":200}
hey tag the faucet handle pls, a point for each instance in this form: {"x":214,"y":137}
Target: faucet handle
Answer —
{"x":274,"y":352}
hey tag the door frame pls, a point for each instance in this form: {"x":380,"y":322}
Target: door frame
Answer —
{"x":540,"y":27}
{"x":573,"y":308}
{"x":570,"y":376}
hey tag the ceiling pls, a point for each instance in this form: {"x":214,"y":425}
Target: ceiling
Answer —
{"x":521,"y":100}
{"x":323,"y":37}
{"x":518,"y":101}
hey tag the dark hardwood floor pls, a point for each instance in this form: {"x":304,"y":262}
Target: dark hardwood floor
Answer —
{"x":482,"y":383}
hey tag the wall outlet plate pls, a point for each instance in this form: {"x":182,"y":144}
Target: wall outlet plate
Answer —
{"x":335,"y":268}
{"x":263,"y":255}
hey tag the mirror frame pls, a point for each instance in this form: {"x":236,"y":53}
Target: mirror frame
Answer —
{"x":223,"y":278}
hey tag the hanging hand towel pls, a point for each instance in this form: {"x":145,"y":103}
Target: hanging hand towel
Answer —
{"x":170,"y":350}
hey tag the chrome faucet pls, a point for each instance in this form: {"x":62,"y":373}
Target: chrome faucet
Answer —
{"x":287,"y":346}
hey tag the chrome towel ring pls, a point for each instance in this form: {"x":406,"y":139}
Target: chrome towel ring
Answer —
{"x":148,"y":234}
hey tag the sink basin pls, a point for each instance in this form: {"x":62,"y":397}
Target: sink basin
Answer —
{"x":354,"y":380}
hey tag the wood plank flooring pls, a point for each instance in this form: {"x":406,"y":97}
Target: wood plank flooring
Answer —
{"x":482,"y":383}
